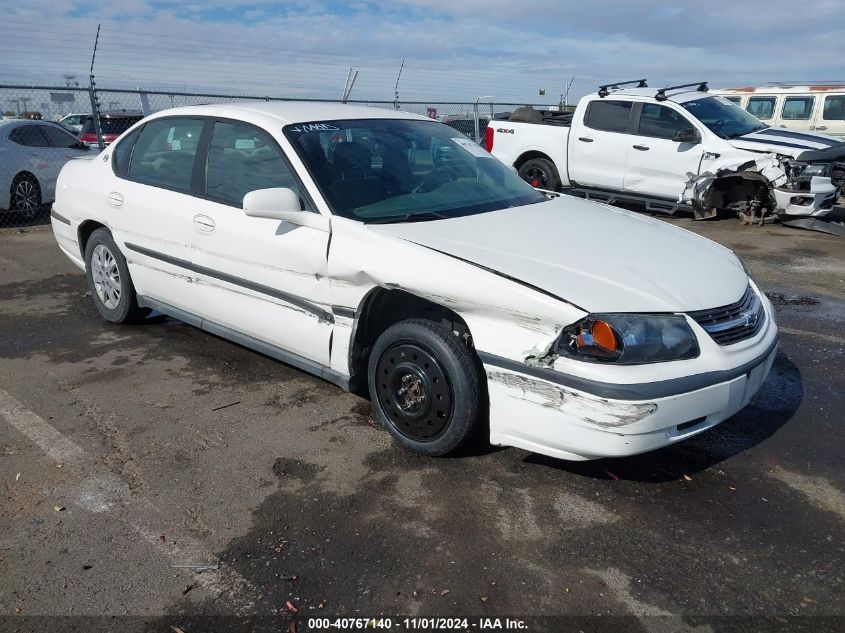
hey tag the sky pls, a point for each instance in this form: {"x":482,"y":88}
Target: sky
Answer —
{"x":460,"y":50}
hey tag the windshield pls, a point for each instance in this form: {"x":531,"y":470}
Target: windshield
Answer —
{"x":393,"y":170}
{"x":722,"y":117}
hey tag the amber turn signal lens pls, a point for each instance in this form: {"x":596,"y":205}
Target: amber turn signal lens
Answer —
{"x":603,"y":335}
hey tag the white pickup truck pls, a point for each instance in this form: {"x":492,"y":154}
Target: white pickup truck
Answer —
{"x":677,"y":147}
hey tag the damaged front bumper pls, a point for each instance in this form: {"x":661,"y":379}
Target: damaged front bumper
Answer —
{"x":816,"y":202}
{"x":552,"y":413}
{"x":813,"y":197}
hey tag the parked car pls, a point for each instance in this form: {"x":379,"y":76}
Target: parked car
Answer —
{"x":112,"y":124}
{"x":465,"y":124}
{"x":802,"y":108}
{"x":31,"y":155}
{"x":672,"y":148}
{"x":74,"y":121}
{"x":458,"y":297}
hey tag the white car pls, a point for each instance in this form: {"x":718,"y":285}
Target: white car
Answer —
{"x":31,"y":155}
{"x":388,"y":253}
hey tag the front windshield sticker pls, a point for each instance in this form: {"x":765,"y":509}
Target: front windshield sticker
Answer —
{"x":314,"y":127}
{"x":472,"y":147}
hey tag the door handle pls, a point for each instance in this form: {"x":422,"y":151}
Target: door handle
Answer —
{"x":204,"y":224}
{"x":116,"y":199}
{"x":821,"y":127}
{"x":642,"y":148}
{"x":585,"y":139}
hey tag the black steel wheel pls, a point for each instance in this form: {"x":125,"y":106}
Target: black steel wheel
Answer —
{"x":414,"y":392}
{"x":540,"y":173}
{"x":425,"y":386}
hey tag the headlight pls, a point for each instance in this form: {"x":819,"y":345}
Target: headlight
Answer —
{"x":819,"y":169}
{"x":629,"y":339}
{"x":805,"y":170}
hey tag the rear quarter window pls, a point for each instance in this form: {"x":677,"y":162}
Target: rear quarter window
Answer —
{"x":608,"y":116}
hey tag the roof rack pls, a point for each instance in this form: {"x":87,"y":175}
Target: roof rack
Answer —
{"x":661,"y":94}
{"x":605,"y":89}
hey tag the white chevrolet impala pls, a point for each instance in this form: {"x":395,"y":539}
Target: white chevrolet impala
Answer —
{"x":389,"y":254}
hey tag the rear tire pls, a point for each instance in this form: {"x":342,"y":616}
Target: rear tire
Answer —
{"x":425,"y":387}
{"x":540,"y":173}
{"x":109,"y":281}
{"x":25,"y":196}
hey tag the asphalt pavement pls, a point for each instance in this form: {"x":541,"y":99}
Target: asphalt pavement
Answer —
{"x":154,"y":469}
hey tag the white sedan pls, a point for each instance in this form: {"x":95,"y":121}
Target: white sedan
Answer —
{"x":31,"y":155}
{"x":391,"y":255}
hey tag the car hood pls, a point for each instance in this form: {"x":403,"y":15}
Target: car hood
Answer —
{"x":600,"y":258}
{"x":788,"y":142}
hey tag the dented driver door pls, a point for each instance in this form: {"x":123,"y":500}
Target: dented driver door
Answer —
{"x":657,"y":166}
{"x":256,"y":276}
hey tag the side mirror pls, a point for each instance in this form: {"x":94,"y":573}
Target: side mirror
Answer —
{"x":280,"y":203}
{"x":686,"y":135}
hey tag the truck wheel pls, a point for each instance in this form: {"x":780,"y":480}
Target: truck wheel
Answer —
{"x":425,"y":386}
{"x":540,"y":173}
{"x":109,"y":281}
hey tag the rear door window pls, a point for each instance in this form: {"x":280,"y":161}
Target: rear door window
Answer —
{"x":761,"y":107}
{"x":165,"y":151}
{"x":796,"y":108}
{"x":608,"y":116}
{"x":834,"y":108}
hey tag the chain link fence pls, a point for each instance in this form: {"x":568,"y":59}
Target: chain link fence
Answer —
{"x":43,"y":127}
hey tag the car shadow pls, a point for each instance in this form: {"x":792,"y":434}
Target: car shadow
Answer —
{"x":772,"y":407}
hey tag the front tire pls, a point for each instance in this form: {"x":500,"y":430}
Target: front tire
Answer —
{"x":425,"y":386}
{"x":540,"y":173}
{"x":109,"y":281}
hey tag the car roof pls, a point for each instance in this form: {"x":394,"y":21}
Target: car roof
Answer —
{"x":287,"y":112}
{"x":31,"y":122}
{"x":116,"y":114}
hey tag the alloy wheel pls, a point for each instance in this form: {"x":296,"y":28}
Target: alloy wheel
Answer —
{"x":106,"y":276}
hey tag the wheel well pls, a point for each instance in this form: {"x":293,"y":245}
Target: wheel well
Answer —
{"x":381,"y":308}
{"x":736,"y":192}
{"x":29,"y":175}
{"x":84,"y":232}
{"x":524,"y":158}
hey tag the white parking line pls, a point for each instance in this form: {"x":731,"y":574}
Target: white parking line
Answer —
{"x":48,"y":439}
{"x":100,"y":493}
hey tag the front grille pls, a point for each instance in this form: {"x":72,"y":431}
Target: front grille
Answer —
{"x":735,"y":322}
{"x":837,"y":175}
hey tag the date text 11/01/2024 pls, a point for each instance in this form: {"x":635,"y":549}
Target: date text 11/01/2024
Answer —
{"x":417,"y":624}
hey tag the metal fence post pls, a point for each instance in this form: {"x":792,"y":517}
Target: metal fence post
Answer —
{"x":95,"y":114}
{"x":475,"y":121}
